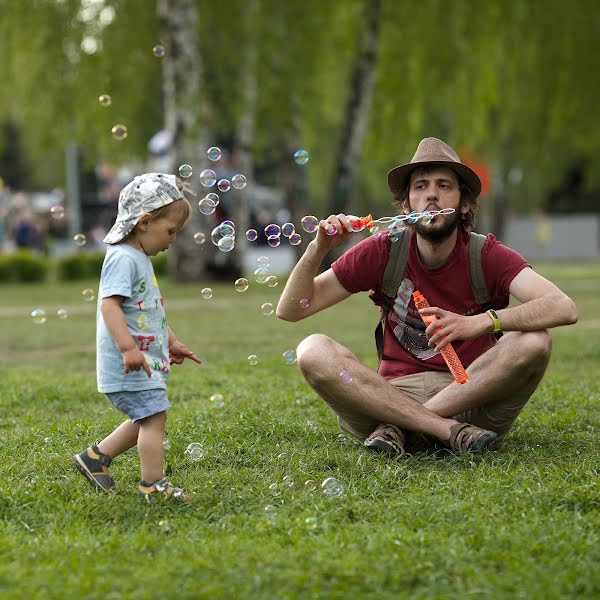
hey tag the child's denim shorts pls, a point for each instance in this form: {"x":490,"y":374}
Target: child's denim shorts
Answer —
{"x":140,"y":404}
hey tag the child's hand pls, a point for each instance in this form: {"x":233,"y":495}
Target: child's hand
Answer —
{"x":178,"y":352}
{"x":134,"y":360}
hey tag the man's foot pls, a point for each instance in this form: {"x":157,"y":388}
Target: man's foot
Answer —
{"x":387,"y":438}
{"x":468,"y":438}
{"x":162,"y":488}
{"x":93,"y":465}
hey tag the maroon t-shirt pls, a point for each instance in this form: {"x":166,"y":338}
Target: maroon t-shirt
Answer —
{"x":405,"y":349}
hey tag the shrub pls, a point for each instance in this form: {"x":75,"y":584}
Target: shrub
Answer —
{"x":22,"y":266}
{"x":84,"y":265}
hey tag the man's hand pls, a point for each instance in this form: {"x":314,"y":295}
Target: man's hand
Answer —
{"x":134,"y":360}
{"x":450,"y":326}
{"x":339,"y":229}
{"x":178,"y":352}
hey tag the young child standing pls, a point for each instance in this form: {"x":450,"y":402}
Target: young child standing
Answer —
{"x":134,"y":345}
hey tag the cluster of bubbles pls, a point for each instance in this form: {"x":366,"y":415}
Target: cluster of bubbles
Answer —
{"x":273,"y":233}
{"x":39,"y":315}
{"x":208,"y":178}
{"x":223,"y":236}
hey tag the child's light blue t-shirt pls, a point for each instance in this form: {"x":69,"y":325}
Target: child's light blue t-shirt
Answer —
{"x":128,"y":272}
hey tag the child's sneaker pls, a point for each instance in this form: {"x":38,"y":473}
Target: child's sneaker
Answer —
{"x":89,"y":463}
{"x":162,"y":488}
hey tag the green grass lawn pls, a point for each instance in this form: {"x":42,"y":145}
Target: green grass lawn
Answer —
{"x":522,"y":522}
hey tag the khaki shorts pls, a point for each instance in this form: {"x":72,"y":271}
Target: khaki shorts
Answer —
{"x":498,"y":417}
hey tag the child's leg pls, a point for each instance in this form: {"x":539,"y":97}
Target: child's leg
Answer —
{"x":125,"y":436}
{"x":150,"y":446}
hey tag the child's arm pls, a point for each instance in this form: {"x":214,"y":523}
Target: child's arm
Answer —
{"x":178,"y":351}
{"x":114,"y":319}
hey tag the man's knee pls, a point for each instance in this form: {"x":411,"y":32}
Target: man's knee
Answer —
{"x":534,"y":348}
{"x":312,"y":351}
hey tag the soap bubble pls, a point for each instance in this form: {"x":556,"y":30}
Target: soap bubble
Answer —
{"x":312,"y":426}
{"x":346,"y":377}
{"x":62,"y":313}
{"x":290,"y":357}
{"x":332,"y":488}
{"x":185,"y":171}
{"x":309,"y":484}
{"x":208,"y":178}
{"x":166,"y":444}
{"x":261,"y":275}
{"x":39,"y":316}
{"x":287,"y":229}
{"x":199,"y":238}
{"x":214,"y":153}
{"x":270,"y":512}
{"x":295,"y":239}
{"x":271,"y":281}
{"x":272,"y":229}
{"x":221,"y":231}
{"x":207,"y":206}
{"x":267,"y":309}
{"x":194,"y":452}
{"x":273,"y":487}
{"x":281,"y":456}
{"x":252,"y":360}
{"x":251,"y":235}
{"x":288,"y":479}
{"x":216,"y":398}
{"x":304,"y":303}
{"x":263,"y":261}
{"x":57,"y":212}
{"x":88,"y":294}
{"x":224,"y":185}
{"x":105,"y":100}
{"x":273,"y":241}
{"x":159,"y":51}
{"x":215,"y":198}
{"x":80,"y":239}
{"x":119,"y":132}
{"x":206,"y":293}
{"x":309,"y":223}
{"x":301,"y":157}
{"x":241,"y":284}
{"x":311,"y":522}
{"x":238,"y":181}
{"x":330,"y":229}
{"x":226,"y":243}
{"x":164,"y":526}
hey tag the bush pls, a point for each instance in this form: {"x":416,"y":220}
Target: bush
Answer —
{"x":22,"y":266}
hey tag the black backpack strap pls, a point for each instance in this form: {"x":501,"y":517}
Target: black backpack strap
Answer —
{"x":480,"y":291}
{"x":392,"y":278}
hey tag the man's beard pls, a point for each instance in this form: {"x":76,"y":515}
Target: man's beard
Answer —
{"x":439,"y":234}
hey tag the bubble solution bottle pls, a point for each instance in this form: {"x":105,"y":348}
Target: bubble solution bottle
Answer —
{"x":448,"y":352}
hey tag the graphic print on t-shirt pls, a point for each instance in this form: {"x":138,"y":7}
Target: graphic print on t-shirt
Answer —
{"x":409,"y":327}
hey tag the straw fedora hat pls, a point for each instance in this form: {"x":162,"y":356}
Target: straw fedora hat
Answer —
{"x":432,"y":151}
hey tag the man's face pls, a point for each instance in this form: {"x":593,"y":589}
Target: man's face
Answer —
{"x":431,"y":189}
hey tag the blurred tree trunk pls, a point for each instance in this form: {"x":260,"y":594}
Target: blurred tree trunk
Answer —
{"x":347,"y":162}
{"x":182,"y":80}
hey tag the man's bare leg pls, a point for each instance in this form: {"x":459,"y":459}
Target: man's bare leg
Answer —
{"x":516,"y":364}
{"x":321,"y":361}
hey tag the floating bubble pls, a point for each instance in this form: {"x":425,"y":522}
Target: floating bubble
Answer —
{"x":290,"y":357}
{"x":309,"y":223}
{"x":224,"y":185}
{"x":207,"y":206}
{"x":295,"y":239}
{"x":215,"y":198}
{"x":214,"y":153}
{"x":39,"y":316}
{"x":267,"y":309}
{"x":287,"y":229}
{"x":241,"y":284}
{"x":206,"y":293}
{"x":273,"y":487}
{"x":166,"y":444}
{"x":185,"y":171}
{"x":273,"y":241}
{"x":159,"y":51}
{"x":270,"y":512}
{"x":62,"y":313}
{"x":88,"y":294}
{"x":208,"y":178}
{"x":309,"y":484}
{"x":330,"y":229}
{"x":119,"y":132}
{"x":57,"y":212}
{"x":261,"y":275}
{"x":272,"y":229}
{"x":346,"y":377}
{"x":80,"y":239}
{"x":194,"y":451}
{"x":288,"y":479}
{"x":221,"y":231}
{"x":281,"y":456}
{"x":251,"y":235}
{"x":343,"y":439}
{"x":229,"y":223}
{"x":199,"y":238}
{"x":263,"y":261}
{"x":105,"y":100}
{"x":304,"y":303}
{"x":238,"y":181}
{"x":216,"y":398}
{"x":272,"y":281}
{"x":164,"y":526}
{"x":301,"y":157}
{"x":312,"y":426}
{"x":252,"y":360}
{"x":332,"y":488}
{"x":226,"y":243}
{"x":311,"y":522}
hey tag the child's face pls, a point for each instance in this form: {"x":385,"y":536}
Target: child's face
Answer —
{"x":156,"y":235}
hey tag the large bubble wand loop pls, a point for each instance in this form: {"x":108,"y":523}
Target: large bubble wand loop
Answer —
{"x":393,"y":223}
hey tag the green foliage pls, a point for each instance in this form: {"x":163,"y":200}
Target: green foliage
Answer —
{"x":22,"y":266}
{"x":84,"y":265}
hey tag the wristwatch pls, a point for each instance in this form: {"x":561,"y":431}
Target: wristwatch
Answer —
{"x":493,"y":315}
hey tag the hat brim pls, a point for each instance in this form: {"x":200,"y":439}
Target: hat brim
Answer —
{"x":120,"y":230}
{"x":399,"y":176}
